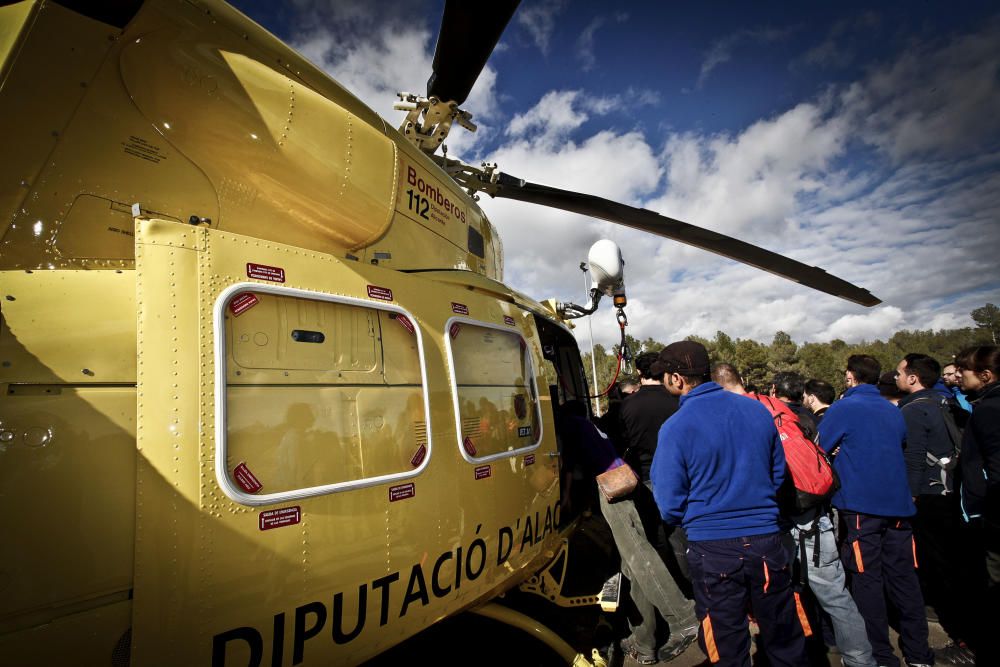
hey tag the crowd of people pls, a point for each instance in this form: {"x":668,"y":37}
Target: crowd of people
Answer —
{"x":714,"y":537}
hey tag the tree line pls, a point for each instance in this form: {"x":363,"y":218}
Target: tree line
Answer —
{"x":758,"y":362}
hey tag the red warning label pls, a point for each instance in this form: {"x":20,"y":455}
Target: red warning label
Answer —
{"x":455,"y":328}
{"x":507,"y":319}
{"x":418,"y":456}
{"x":482,"y":472}
{"x":243,"y":303}
{"x":402,"y":491}
{"x":469,"y":446}
{"x":459,"y":308}
{"x":529,"y":459}
{"x":286,"y":516}
{"x":381,"y":293}
{"x":246,"y":479}
{"x":274,"y":274}
{"x":405,"y":322}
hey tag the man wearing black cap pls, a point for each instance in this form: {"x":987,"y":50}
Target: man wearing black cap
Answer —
{"x":716,"y":472}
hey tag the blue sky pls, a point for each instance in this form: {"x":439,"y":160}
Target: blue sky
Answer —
{"x":862,"y":138}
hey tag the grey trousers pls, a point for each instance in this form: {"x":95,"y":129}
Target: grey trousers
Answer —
{"x":828,"y":583}
{"x":652,"y":588}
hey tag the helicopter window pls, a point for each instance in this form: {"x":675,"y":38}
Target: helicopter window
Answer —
{"x":476,"y":245}
{"x":496,"y":395}
{"x":321,"y":394}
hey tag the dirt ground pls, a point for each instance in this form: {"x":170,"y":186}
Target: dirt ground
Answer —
{"x":693,"y":657}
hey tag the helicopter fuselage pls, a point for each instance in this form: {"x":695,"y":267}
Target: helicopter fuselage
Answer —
{"x":265,"y":400}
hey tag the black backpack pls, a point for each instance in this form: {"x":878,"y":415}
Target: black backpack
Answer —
{"x":946,"y":462}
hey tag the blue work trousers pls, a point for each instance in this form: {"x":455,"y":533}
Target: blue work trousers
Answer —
{"x":746,"y":574}
{"x":880,"y":558}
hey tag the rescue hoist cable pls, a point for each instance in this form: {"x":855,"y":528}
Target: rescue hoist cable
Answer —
{"x":624,"y":354}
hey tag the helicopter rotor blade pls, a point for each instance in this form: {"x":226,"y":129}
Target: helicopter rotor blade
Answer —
{"x":469,"y":33}
{"x":510,"y":187}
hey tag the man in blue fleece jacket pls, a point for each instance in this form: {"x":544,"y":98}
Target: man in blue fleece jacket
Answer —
{"x":716,"y":471}
{"x":865,"y":435}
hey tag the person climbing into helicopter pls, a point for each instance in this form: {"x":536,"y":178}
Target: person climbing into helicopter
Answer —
{"x":641,"y":419}
{"x":651,"y":584}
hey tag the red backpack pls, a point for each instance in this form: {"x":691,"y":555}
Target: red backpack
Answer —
{"x":812,"y":474}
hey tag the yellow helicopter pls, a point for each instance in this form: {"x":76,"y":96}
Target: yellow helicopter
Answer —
{"x":265,"y":397}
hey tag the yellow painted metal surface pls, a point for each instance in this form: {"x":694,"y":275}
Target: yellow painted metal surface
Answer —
{"x":67,"y":327}
{"x":248,"y":113}
{"x":37,"y":109}
{"x":376,"y":562}
{"x":67,"y":471}
{"x":195,"y":111}
{"x":13,"y":21}
{"x":98,"y":636}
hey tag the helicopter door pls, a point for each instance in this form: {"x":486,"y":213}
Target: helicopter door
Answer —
{"x":282,"y":408}
{"x":567,"y":389}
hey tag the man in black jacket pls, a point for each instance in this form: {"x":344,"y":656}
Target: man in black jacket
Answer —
{"x":643,"y":413}
{"x":932,"y":442}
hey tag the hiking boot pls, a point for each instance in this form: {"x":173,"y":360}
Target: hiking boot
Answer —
{"x":677,"y":643}
{"x":632,"y":651}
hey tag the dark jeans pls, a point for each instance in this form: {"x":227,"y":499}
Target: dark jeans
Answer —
{"x":878,"y":554}
{"x":734,"y":576}
{"x":945,"y":566}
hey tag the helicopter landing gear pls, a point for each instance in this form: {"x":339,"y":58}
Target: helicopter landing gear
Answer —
{"x":548,"y":583}
{"x":513,"y":618}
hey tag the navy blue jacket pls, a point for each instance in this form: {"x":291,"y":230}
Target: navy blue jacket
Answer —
{"x":867,"y":433}
{"x":925,"y":432}
{"x":718,"y":465}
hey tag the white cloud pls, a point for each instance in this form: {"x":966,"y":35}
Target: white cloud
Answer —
{"x":870,"y":325}
{"x":936,"y":100}
{"x":920,"y":234}
{"x":722,"y":49}
{"x":585,"y":44}
{"x":753,"y":179}
{"x":375,"y":57}
{"x":558,"y":113}
{"x":539,"y":20}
